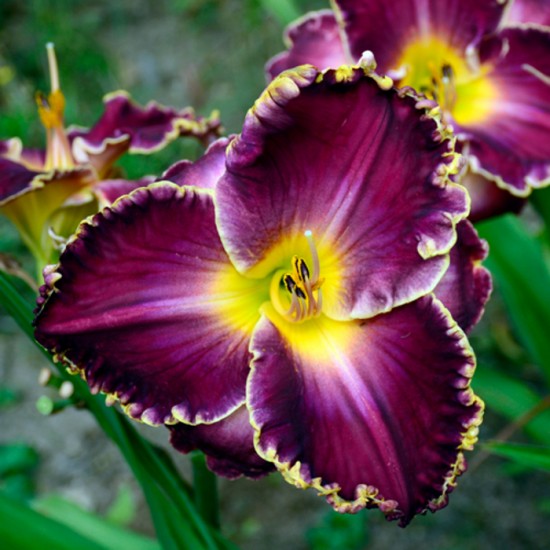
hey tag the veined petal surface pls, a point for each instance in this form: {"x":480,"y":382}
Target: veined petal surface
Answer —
{"x":314,"y":39}
{"x":387,"y":28}
{"x":368,"y":178}
{"x":466,"y":285}
{"x":512,"y":147}
{"x":369,"y":413}
{"x":228,"y":445}
{"x":528,"y":11}
{"x":146,"y":305}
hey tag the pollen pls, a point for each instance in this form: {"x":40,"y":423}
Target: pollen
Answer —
{"x":302,"y":287}
{"x":457,"y":82}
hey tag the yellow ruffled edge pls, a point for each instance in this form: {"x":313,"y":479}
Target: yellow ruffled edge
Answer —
{"x":368,"y":496}
{"x":288,"y":85}
{"x":52,"y":276}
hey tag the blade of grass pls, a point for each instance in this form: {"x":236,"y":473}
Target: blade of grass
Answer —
{"x":21,"y":528}
{"x":284,"y":11}
{"x":91,"y":526}
{"x":148,"y":467}
{"x":512,"y":399}
{"x":528,"y":455}
{"x":206,"y":490}
{"x":520,"y":272}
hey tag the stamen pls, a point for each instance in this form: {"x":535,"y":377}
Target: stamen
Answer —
{"x":303,"y":286}
{"x":52,"y":63}
{"x":50,"y":110}
{"x":314,"y":256}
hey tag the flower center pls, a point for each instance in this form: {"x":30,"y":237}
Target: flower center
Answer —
{"x":456,"y":81}
{"x":50,"y":110}
{"x":296,"y":295}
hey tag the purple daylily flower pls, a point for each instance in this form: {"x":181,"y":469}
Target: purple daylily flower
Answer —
{"x":288,"y":312}
{"x":57,"y":187}
{"x":489,"y":77}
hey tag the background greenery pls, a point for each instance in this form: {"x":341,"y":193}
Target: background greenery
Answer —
{"x":210,"y":54}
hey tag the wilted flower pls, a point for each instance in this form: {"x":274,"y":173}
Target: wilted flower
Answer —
{"x":46,"y":193}
{"x":284,"y":315}
{"x":491,"y":83}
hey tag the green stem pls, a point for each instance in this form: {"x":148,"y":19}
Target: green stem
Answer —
{"x":161,"y":486}
{"x":206,"y":490}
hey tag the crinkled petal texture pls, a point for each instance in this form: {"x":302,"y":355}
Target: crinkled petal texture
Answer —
{"x":125,"y":126}
{"x":359,"y":167}
{"x":205,"y":171}
{"x":512,"y":146}
{"x":369,"y":413}
{"x":528,"y":11}
{"x":228,"y":445}
{"x":146,"y":304}
{"x":387,"y":28}
{"x":466,"y":285}
{"x":314,"y":39}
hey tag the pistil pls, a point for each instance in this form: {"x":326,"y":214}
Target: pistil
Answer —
{"x":50,"y":110}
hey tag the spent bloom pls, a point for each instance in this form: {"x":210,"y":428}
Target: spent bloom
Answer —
{"x":295,"y":310}
{"x":489,"y":75}
{"x":46,"y":193}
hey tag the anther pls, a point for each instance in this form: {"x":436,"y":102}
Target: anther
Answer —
{"x":303,"y":285}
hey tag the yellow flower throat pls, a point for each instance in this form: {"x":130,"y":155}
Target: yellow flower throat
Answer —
{"x":459,"y":85}
{"x":303,"y":288}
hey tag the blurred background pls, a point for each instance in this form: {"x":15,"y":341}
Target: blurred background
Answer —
{"x":210,"y":54}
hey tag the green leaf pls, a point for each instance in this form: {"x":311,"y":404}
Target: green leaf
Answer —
{"x":206,"y":490}
{"x":8,"y":397}
{"x":284,"y":11}
{"x":520,"y":272}
{"x":527,"y":455}
{"x":24,"y":529}
{"x":540,"y":199}
{"x":16,"y":458}
{"x":512,"y":399}
{"x":123,"y":510}
{"x":339,"y":531}
{"x":108,"y":535}
{"x":169,"y":498}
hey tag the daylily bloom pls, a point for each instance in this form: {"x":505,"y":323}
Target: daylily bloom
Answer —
{"x":282,"y":314}
{"x":55,"y":188}
{"x":492,"y":84}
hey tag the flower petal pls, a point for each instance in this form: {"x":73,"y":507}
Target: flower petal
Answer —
{"x":314,"y":39}
{"x":228,"y":445}
{"x":29,"y":198}
{"x":512,"y":147}
{"x":372,"y":413}
{"x":147,"y":306}
{"x":387,"y":28}
{"x":489,"y":200}
{"x":369,"y":179}
{"x":108,"y":191}
{"x":466,"y":286}
{"x":528,"y":11}
{"x":205,"y":171}
{"x":125,"y":126}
